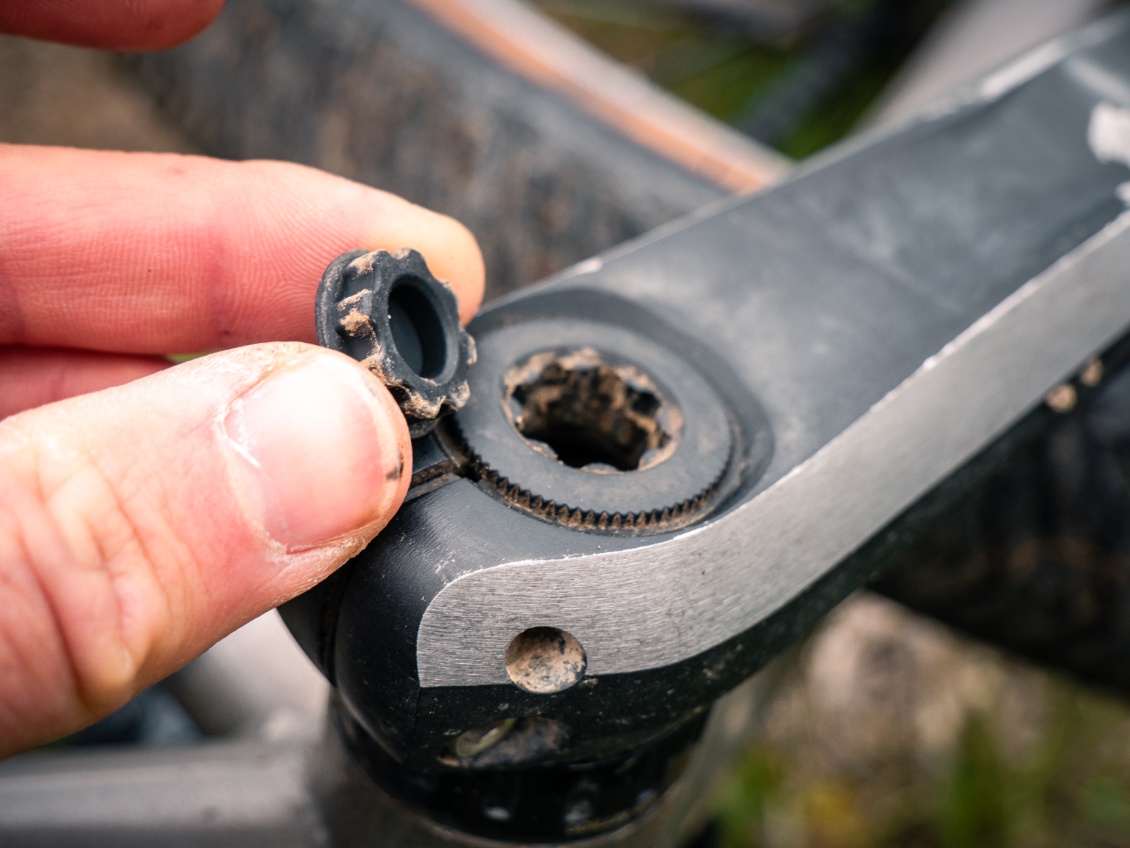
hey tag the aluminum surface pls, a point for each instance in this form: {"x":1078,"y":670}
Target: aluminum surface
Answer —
{"x":896,"y":307}
{"x":658,"y":605}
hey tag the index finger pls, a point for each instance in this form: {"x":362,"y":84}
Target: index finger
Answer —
{"x":158,"y":253}
{"x":110,"y":24}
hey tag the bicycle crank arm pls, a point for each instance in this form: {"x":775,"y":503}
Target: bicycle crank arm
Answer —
{"x":675,"y":458}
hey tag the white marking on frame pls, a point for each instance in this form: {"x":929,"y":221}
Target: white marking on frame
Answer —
{"x":1109,"y":134}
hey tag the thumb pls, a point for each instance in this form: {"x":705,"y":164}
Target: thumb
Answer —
{"x":140,"y":524}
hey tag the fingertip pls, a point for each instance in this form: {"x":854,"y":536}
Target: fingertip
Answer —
{"x":321,"y":453}
{"x":146,"y":521}
{"x":229,"y":253}
{"x":450,"y":249}
{"x":352,"y":215}
{"x":462,"y":266}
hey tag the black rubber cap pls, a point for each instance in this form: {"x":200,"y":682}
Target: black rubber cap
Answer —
{"x":388,"y":312}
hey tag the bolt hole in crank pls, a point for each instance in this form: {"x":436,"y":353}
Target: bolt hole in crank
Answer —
{"x":589,"y":414}
{"x":545,"y":659}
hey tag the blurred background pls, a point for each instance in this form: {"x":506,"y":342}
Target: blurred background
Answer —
{"x":891,"y":729}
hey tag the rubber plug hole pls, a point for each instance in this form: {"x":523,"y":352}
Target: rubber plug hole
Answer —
{"x":417,"y":331}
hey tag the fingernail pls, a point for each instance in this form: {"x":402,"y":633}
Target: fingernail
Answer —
{"x":317,"y":451}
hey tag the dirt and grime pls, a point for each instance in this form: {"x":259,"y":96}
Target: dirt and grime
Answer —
{"x":591,"y":414}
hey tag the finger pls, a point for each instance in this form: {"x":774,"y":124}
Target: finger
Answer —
{"x":140,"y":524}
{"x":159,"y":253}
{"x":109,"y":24}
{"x":31,"y":377}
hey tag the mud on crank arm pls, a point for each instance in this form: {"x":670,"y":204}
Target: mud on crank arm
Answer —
{"x":677,"y":457}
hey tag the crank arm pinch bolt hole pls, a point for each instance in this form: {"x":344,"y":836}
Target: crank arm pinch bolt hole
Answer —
{"x":388,"y":311}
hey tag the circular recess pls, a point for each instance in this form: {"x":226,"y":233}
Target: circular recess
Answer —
{"x":417,"y":330}
{"x":545,"y":660}
{"x":594,"y":427}
{"x":590,"y":414}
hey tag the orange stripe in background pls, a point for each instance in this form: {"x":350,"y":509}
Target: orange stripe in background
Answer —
{"x":519,"y":38}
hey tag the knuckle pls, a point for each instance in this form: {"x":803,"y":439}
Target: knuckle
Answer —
{"x":79,"y":568}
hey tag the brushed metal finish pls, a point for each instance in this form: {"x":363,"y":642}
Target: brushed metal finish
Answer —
{"x":653,"y":606}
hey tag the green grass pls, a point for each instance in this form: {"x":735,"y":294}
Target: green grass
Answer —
{"x":1066,"y":784}
{"x":721,"y":71}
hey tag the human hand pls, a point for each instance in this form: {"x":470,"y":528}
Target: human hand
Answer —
{"x":164,"y":507}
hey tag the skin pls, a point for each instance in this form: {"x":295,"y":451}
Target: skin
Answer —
{"x":147,"y":510}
